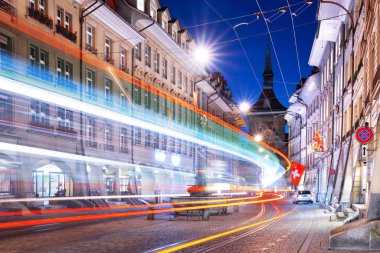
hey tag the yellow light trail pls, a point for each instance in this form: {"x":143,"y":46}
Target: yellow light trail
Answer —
{"x":213,"y":237}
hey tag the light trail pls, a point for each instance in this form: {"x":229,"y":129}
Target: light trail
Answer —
{"x":50,"y":39}
{"x":229,"y":232}
{"x":260,"y":214}
{"x":74,"y":104}
{"x":15,"y":224}
{"x":105,"y":208}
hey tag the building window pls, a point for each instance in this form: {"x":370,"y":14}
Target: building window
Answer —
{"x":184,"y":149}
{"x":91,"y":131}
{"x":156,"y":62}
{"x":107,"y":49}
{"x":172,"y":145}
{"x":164,"y":24}
{"x":147,"y":55}
{"x":164,"y":68}
{"x":108,"y":91}
{"x":179,"y":81}
{"x":65,"y":74}
{"x":68,"y":71}
{"x":172,"y":75}
{"x":147,"y":138}
{"x":138,"y":132}
{"x":40,"y":113}
{"x":147,"y":99}
{"x":6,"y":108}
{"x":123,"y":66}
{"x":32,"y":4}
{"x":164,"y":142}
{"x":186,"y":83}
{"x":123,"y":102}
{"x":108,"y":137}
{"x":153,"y":12}
{"x":191,"y":88}
{"x":141,"y":5}
{"x":44,"y":58}
{"x":123,"y":140}
{"x":68,"y":24}
{"x":89,"y":35}
{"x":90,"y":85}
{"x":38,"y":57}
{"x":174,"y":35}
{"x":156,"y":141}
{"x":59,"y":16}
{"x":138,"y":51}
{"x":65,"y":119}
{"x":33,"y":55}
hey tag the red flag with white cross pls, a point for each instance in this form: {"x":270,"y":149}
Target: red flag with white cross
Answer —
{"x":296,"y":173}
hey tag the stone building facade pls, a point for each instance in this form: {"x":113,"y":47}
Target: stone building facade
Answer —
{"x":136,"y":62}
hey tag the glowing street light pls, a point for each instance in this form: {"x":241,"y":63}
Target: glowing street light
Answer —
{"x":202,"y":55}
{"x":244,"y":107}
{"x":258,"y":137}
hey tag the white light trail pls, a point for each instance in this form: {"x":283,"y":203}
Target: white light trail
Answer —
{"x":74,"y":104}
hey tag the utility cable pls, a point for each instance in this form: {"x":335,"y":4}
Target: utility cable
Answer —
{"x":274,"y":49}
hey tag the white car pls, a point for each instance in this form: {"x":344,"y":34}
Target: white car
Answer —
{"x":302,"y":196}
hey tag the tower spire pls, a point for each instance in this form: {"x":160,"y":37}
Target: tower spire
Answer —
{"x":268,"y":72}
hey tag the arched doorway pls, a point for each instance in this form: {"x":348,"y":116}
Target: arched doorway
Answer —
{"x":50,"y":181}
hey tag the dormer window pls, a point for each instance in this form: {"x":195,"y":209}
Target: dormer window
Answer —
{"x":153,"y":12}
{"x":141,"y":5}
{"x":174,"y":35}
{"x":164,"y":24}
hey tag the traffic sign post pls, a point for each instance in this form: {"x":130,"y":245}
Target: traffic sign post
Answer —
{"x":364,"y":135}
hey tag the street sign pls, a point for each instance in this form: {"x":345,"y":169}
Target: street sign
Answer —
{"x":364,"y":135}
{"x":364,"y":151}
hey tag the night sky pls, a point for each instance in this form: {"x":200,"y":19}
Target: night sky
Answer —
{"x":229,"y":58}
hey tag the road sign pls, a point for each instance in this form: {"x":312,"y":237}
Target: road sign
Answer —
{"x":364,"y":135}
{"x":364,"y":151}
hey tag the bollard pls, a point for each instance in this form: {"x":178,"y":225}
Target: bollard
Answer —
{"x":236,"y":208}
{"x":206,"y":214}
{"x":151,"y":213}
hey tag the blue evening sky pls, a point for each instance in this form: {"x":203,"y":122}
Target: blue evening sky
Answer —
{"x":229,"y":56}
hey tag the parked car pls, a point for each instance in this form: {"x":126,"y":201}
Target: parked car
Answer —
{"x":302,"y":196}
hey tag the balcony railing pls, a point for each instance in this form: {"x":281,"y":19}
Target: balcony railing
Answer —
{"x":41,"y":17}
{"x":124,"y":68}
{"x":7,"y":7}
{"x":67,"y":33}
{"x":108,"y":59}
{"x":91,"y":48}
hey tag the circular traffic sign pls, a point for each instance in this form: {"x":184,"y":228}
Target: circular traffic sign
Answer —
{"x":364,"y":135}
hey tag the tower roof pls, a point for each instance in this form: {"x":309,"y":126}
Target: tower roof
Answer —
{"x":268,"y":100}
{"x":268,"y":60}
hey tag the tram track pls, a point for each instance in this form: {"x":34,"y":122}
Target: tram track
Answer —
{"x":234,"y":239}
{"x":232,"y":236}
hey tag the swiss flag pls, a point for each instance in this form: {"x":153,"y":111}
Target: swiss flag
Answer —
{"x":296,"y":173}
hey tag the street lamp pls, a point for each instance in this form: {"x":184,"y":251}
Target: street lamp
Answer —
{"x":202,"y":55}
{"x":258,"y":137}
{"x":244,"y":107}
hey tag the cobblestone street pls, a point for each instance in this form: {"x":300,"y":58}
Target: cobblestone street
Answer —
{"x":305,"y":230}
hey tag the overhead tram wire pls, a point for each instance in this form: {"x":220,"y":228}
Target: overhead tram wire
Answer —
{"x":295,"y":37}
{"x":241,"y":38}
{"x":237,"y":17}
{"x":245,"y":53}
{"x":274,"y":49}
